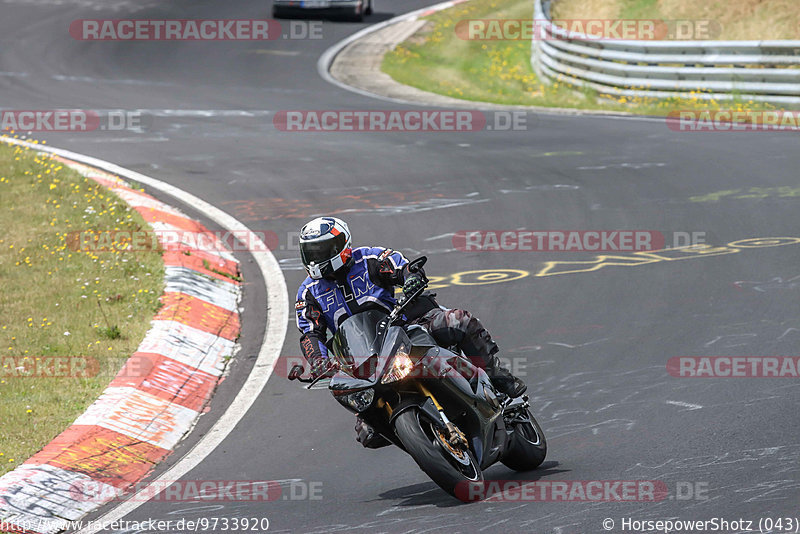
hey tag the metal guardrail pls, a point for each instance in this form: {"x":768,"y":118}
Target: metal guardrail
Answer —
{"x":748,"y":70}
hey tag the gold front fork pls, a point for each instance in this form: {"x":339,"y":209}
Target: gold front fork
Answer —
{"x":423,"y":390}
{"x":428,"y":394}
{"x":383,"y":404}
{"x":455,"y":437}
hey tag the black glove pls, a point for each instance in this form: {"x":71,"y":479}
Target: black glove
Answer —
{"x":413,"y":284}
{"x":320,"y":365}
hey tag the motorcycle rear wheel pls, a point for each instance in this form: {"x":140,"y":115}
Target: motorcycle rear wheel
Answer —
{"x":452,"y":469}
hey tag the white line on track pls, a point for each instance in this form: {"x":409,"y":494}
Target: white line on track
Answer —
{"x":120,"y":140}
{"x":442,"y":236}
{"x":121,"y":81}
{"x":200,"y":113}
{"x":184,"y":113}
{"x":274,"y":333}
{"x":685,"y":405}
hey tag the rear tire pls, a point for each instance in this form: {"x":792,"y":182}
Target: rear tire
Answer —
{"x":455,"y":473}
{"x":528,"y":446}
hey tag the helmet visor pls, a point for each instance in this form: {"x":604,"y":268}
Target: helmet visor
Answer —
{"x":322,"y":250}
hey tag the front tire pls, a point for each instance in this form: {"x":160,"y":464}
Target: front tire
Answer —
{"x":528,"y":446}
{"x":453,"y":470}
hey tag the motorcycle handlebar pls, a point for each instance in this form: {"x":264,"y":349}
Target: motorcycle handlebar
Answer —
{"x":413,"y":267}
{"x":298,"y":370}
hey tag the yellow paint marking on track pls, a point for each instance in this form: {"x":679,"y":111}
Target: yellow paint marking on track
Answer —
{"x":635,"y":259}
{"x":552,"y":268}
{"x":487,"y":276}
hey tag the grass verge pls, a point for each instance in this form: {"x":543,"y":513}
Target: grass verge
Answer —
{"x":736,"y":19}
{"x":435,"y":59}
{"x":90,"y":310}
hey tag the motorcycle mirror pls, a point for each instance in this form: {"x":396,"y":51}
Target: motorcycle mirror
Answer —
{"x":296,"y":372}
{"x":417,"y":264}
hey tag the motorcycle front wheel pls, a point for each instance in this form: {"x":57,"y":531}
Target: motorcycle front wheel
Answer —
{"x":454,"y":469}
{"x":528,"y":446}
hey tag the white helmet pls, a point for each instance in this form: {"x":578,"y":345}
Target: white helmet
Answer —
{"x":325,"y":246}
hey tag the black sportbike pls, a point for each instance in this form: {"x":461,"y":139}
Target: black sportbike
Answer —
{"x":428,"y":400}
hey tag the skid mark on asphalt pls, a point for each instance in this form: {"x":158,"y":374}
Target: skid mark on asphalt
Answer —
{"x":774,"y":462}
{"x":543,"y":187}
{"x":765,"y":337}
{"x":776,"y":284}
{"x":592,"y":412}
{"x":419,"y":207}
{"x":634,"y":166}
{"x":372,"y":201}
{"x":551,"y":154}
{"x":689,"y":406}
{"x":730,"y":340}
{"x":774,"y":395}
{"x":567,"y":345}
{"x":441,"y":236}
{"x":578,"y":407}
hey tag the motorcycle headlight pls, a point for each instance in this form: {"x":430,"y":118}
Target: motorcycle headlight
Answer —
{"x":401,"y":367}
{"x":360,"y":400}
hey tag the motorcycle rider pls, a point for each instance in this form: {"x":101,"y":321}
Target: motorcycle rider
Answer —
{"x":343,"y":281}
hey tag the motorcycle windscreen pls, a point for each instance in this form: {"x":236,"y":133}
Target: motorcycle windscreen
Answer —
{"x":361,"y":351}
{"x":357,"y":339}
{"x":372,"y":368}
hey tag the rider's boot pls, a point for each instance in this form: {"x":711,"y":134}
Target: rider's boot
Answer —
{"x":368,"y":437}
{"x":503,"y":380}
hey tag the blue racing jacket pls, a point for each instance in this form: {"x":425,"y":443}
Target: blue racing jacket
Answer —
{"x":367,"y":282}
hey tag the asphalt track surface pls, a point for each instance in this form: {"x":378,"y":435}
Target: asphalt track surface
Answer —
{"x":594,"y":345}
